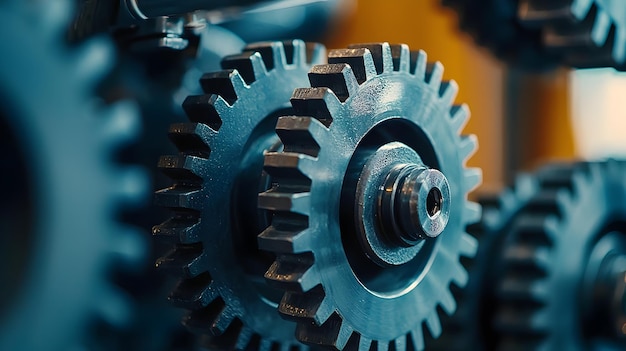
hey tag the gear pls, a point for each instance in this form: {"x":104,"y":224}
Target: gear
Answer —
{"x":538,"y":35}
{"x":564,"y":263}
{"x":218,"y":175}
{"x":369,"y":200}
{"x":65,"y":190}
{"x":470,"y":324}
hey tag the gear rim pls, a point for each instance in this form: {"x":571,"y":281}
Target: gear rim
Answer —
{"x":292,"y":197}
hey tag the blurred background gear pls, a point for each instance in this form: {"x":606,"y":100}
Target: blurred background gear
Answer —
{"x":363,"y":274}
{"x":218,"y":174}
{"x":564,"y":263}
{"x":471,"y":324}
{"x":61,"y":233}
{"x":537,"y":34}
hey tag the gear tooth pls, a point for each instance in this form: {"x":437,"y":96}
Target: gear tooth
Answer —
{"x":382,"y":346}
{"x":321,"y":103}
{"x":448,"y":303}
{"x":192,"y":138}
{"x":381,"y":53}
{"x":540,"y":229}
{"x":460,"y":115}
{"x":244,"y":338}
{"x":448,"y":91}
{"x":520,"y":321}
{"x":359,"y":59}
{"x":400,"y":344}
{"x":310,"y":306}
{"x":315,"y":54}
{"x":181,"y":197}
{"x":473,"y":212}
{"x":295,"y":52}
{"x":472,"y":178}
{"x":129,"y":246}
{"x":333,"y":333}
{"x":434,"y":324}
{"x":93,"y":60}
{"x":185,"y":261}
{"x":274,"y":53}
{"x":401,"y":57}
{"x":265,"y":345}
{"x":336,"y":76}
{"x":533,"y":16}
{"x":469,"y":246}
{"x":194,"y":293}
{"x":113,"y":307}
{"x":365,"y":344}
{"x":522,"y":289}
{"x":132,"y":188}
{"x":619,"y":49}
{"x":530,"y":258}
{"x":293,"y":273}
{"x":206,"y":109}
{"x":214,"y":319}
{"x":295,"y":166}
{"x":225,"y":84}
{"x":419,"y":64}
{"x":300,"y":134}
{"x":182,"y":228}
{"x":248,"y":64}
{"x":434,"y":75}
{"x":416,"y":341}
{"x":601,"y":30}
{"x":187,"y":169}
{"x":468,"y":146}
{"x":291,"y":237}
{"x":122,"y":125}
{"x":298,"y":202}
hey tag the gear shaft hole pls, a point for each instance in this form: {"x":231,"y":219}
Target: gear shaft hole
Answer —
{"x":433,"y":202}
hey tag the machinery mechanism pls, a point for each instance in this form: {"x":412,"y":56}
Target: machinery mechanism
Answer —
{"x":538,"y":34}
{"x":316,"y":201}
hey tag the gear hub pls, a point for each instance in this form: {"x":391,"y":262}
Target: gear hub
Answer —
{"x":369,"y":200}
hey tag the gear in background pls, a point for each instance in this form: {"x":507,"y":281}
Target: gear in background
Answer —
{"x":471,"y":323}
{"x":563,"y":283}
{"x":218,"y":175}
{"x":363,"y":268}
{"x":58,"y":160}
{"x":538,"y":34}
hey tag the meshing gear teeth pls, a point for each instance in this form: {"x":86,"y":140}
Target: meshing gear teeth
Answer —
{"x":470,"y":324}
{"x":52,"y":132}
{"x":564,"y":261}
{"x":375,"y":103}
{"x":218,"y":174}
{"x":542,"y":34}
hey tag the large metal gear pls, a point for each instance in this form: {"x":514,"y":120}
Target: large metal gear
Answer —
{"x":61,"y":234}
{"x":218,"y":175}
{"x":540,"y":34}
{"x":563,"y":283}
{"x":471,"y":323}
{"x":369,"y":200}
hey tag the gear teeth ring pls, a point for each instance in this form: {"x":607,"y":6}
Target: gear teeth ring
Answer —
{"x":213,"y":230}
{"x":349,"y":101}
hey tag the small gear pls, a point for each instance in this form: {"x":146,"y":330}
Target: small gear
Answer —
{"x":537,"y":34}
{"x":218,"y":175}
{"x":471,"y":323}
{"x":564,"y":262}
{"x":62,"y":236}
{"x":369,"y":200}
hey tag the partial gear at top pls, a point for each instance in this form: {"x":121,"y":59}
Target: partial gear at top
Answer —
{"x":369,"y":200}
{"x":539,"y":34}
{"x":218,"y":175}
{"x":563,"y":283}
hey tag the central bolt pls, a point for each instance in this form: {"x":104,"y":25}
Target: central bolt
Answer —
{"x":414,"y":204}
